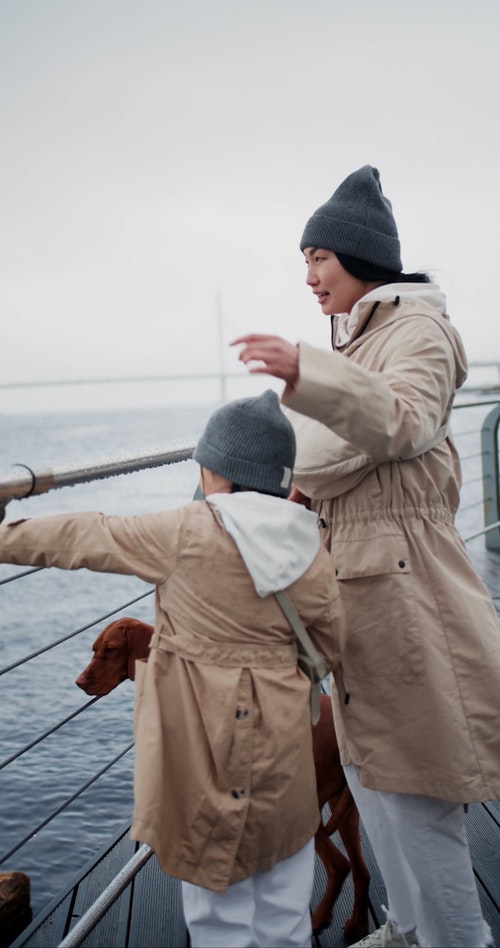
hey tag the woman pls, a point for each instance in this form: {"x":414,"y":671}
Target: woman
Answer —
{"x":417,"y":696}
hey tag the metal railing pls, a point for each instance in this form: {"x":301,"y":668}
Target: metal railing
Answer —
{"x":490,"y":467}
{"x":18,"y":487}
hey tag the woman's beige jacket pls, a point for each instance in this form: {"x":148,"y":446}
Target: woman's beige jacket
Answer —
{"x":225,"y":783}
{"x":417,"y":702}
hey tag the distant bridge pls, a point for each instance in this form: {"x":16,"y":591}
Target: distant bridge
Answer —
{"x":221,"y":377}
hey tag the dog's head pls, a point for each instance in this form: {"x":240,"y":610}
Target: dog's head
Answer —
{"x":115,"y":650}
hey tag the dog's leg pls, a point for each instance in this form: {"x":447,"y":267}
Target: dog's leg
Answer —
{"x":337,"y":869}
{"x":357,"y":926}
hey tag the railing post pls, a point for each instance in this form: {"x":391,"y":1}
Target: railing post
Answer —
{"x":491,"y":484}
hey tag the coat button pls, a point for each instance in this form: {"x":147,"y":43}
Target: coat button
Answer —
{"x":402,"y":564}
{"x":241,"y":713}
{"x":237,"y":794}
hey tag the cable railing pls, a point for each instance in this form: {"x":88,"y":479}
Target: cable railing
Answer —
{"x":70,"y":635}
{"x":42,"y":737}
{"x":485,"y":486}
{"x":66,"y":803}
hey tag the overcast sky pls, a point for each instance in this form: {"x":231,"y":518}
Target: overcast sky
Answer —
{"x":158,"y":153}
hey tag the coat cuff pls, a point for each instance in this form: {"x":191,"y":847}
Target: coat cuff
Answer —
{"x":320,"y":385}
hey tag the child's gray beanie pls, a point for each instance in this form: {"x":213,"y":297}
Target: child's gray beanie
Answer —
{"x":357,"y":220}
{"x":251,"y":443}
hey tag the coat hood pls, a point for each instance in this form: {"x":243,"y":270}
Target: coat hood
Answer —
{"x":402,"y":299}
{"x":348,"y":326}
{"x":277,"y":539}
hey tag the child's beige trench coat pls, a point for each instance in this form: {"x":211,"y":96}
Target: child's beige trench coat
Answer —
{"x":224,"y":783}
{"x":417,"y":703}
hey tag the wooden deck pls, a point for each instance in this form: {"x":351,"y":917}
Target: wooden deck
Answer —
{"x":148,"y":913}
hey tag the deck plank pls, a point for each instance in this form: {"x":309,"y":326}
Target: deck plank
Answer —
{"x":52,"y":924}
{"x":113,"y":927}
{"x":164,"y":925}
{"x":148,"y":914}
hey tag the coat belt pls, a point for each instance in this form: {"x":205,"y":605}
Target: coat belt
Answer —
{"x":230,"y":655}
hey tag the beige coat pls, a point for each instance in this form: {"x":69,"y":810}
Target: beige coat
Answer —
{"x":417,"y":704}
{"x":225,"y":783}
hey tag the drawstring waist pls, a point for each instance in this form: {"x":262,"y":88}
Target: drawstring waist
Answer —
{"x":331,"y":512}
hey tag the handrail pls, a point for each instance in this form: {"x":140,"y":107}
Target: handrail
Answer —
{"x":491,"y":477}
{"x":43,"y":480}
{"x":106,"y":898}
{"x":483,"y":532}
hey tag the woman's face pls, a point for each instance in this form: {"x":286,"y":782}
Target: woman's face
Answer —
{"x":335,"y":289}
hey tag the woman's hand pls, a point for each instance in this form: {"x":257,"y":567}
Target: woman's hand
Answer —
{"x":280,"y":357}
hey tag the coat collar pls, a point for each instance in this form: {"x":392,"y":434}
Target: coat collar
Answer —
{"x":348,"y":326}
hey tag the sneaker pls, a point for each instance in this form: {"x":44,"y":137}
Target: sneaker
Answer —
{"x":388,"y":936}
{"x":411,"y":939}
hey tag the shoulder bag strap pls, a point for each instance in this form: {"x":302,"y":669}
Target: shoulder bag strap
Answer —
{"x":310,"y":661}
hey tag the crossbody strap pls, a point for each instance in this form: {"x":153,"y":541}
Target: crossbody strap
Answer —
{"x":310,"y":661}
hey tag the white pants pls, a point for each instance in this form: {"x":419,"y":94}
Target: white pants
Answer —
{"x":267,"y":910}
{"x":422,"y":852}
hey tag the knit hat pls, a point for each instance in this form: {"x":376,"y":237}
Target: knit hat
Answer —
{"x":357,"y":220}
{"x":250,"y":442}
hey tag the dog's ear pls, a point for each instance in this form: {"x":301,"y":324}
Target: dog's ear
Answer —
{"x":128,"y":631}
{"x":138,"y":638}
{"x":131,"y":667}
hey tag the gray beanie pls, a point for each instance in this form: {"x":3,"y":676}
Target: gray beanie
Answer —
{"x":357,"y":220}
{"x":250,"y":442}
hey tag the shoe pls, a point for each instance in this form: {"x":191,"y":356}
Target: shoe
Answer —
{"x":388,"y":936}
{"x":411,"y":939}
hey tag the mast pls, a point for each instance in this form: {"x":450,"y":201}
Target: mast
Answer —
{"x":220,"y":343}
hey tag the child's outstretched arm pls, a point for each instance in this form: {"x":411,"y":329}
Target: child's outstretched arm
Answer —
{"x":145,"y":546}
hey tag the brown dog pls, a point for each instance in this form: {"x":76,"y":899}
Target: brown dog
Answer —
{"x":116,"y":649}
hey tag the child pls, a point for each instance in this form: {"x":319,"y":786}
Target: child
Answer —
{"x":225,"y":789}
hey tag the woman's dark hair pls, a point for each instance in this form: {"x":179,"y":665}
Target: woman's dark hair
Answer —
{"x":362,"y":270}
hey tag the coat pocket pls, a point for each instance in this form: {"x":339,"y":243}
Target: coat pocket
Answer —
{"x":377,"y":591}
{"x":379,"y":555}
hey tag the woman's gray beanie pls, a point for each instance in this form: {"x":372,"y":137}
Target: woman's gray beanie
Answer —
{"x":357,"y":220}
{"x":251,"y":443}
